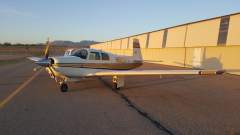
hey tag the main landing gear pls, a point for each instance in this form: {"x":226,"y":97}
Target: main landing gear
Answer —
{"x":63,"y":86}
{"x":118,"y":82}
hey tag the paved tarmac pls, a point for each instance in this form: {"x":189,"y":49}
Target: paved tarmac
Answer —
{"x":179,"y":105}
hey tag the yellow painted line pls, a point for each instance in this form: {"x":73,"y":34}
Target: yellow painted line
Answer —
{"x":16,"y":91}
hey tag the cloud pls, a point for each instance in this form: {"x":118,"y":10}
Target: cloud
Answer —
{"x":13,"y":12}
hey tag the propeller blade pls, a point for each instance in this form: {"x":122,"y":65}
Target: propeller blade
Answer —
{"x":37,"y":68}
{"x":46,"y":54}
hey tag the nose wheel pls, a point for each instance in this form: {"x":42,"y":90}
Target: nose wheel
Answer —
{"x":63,"y":87}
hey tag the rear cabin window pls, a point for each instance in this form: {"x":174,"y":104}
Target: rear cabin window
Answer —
{"x":94,"y":56}
{"x":81,"y":53}
{"x":105,"y":56}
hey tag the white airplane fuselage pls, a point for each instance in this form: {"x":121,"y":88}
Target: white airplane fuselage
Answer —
{"x":73,"y":66}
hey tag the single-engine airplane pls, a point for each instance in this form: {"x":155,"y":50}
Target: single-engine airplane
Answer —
{"x":86,"y":62}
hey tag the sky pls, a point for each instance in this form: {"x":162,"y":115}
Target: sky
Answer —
{"x":32,"y":21}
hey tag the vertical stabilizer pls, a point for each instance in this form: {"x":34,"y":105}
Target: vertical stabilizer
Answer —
{"x":137,"y":54}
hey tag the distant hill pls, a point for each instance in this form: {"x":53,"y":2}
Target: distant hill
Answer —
{"x":83,"y":43}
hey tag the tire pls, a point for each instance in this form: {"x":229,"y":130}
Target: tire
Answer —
{"x":63,"y":87}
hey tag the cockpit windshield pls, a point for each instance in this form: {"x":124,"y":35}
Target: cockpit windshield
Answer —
{"x":81,"y":53}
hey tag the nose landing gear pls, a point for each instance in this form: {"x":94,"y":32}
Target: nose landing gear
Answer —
{"x":59,"y":79}
{"x":62,"y":84}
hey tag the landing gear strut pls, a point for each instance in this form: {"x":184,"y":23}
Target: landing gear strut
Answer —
{"x":118,"y":82}
{"x":62,"y":84}
{"x":63,"y":87}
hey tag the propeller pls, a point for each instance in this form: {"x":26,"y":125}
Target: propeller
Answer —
{"x":45,"y":62}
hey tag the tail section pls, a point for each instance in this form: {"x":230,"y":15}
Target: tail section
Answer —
{"x":137,"y":54}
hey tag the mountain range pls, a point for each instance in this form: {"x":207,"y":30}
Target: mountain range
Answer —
{"x":83,"y":43}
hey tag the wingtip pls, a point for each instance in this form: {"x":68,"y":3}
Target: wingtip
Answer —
{"x":220,"y":72}
{"x":211,"y":72}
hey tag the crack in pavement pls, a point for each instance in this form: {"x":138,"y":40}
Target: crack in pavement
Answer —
{"x":140,"y":111}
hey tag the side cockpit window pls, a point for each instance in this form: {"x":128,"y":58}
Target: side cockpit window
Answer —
{"x":105,"y":56}
{"x":94,"y":56}
{"x":81,"y":53}
{"x":66,"y":53}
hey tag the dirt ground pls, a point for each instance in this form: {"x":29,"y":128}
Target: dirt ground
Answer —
{"x":13,"y":53}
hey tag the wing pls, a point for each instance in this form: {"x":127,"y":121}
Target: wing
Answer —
{"x":155,"y":72}
{"x":35,"y":59}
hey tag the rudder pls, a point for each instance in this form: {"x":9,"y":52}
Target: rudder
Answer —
{"x":137,"y":54}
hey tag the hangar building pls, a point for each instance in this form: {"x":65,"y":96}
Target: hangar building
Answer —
{"x":209,"y":44}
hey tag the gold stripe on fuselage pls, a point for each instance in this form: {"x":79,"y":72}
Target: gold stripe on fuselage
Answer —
{"x":113,"y":66}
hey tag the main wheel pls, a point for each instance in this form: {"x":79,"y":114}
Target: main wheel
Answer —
{"x":63,"y":87}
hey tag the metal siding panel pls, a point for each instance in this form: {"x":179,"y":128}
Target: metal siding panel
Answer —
{"x":234,"y":31}
{"x":124,"y":43}
{"x":116,"y":44}
{"x":156,"y":39}
{"x":176,"y":37}
{"x":203,"y":33}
